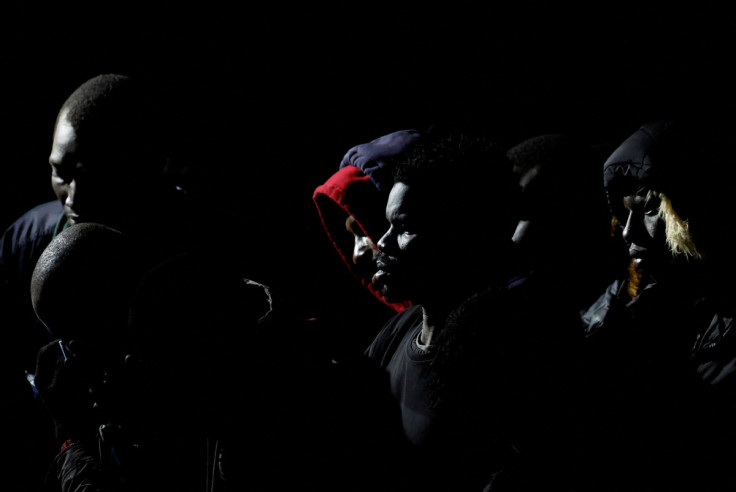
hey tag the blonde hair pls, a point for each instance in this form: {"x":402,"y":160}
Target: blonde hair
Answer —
{"x":679,"y":237}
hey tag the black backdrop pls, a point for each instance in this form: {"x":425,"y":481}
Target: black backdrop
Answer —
{"x":267,"y":98}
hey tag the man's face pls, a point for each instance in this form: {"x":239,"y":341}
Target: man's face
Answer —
{"x":86,"y":183}
{"x":407,"y":264}
{"x":643,"y":231}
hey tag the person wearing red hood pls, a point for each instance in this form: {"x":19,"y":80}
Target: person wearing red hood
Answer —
{"x":351,"y":204}
{"x":351,"y":207}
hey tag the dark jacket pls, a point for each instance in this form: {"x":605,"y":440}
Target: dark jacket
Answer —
{"x":655,"y":362}
{"x":493,"y":402}
{"x":20,"y":247}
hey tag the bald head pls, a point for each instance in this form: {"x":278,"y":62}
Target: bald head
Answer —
{"x":107,"y":154}
{"x":82,"y":283}
{"x":113,"y":108}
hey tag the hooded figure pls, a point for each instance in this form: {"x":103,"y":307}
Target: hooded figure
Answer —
{"x":352,"y":204}
{"x":669,"y":204}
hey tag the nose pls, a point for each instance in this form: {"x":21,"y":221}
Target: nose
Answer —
{"x":626,"y":233}
{"x":382,"y":243}
{"x":634,"y":232}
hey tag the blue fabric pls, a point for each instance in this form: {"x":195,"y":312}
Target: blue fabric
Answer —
{"x":372,"y":157}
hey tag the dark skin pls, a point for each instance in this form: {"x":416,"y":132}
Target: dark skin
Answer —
{"x":415,"y":256}
{"x":99,"y":181}
{"x":364,"y":251}
{"x":643,"y":231}
{"x":652,"y":261}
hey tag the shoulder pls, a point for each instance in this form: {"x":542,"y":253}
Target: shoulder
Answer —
{"x":31,"y":232}
{"x":40,"y":220}
{"x":392,"y":333}
{"x":594,"y":317}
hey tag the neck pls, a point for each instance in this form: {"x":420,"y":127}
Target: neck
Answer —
{"x":428,"y":328}
{"x":433,"y":320}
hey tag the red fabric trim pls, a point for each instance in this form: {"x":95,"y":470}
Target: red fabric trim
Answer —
{"x":352,"y":192}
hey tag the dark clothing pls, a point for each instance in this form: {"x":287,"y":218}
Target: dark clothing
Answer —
{"x":493,"y":402}
{"x":358,"y":189}
{"x":714,"y":362}
{"x":247,"y":420}
{"x":633,"y":394}
{"x":714,"y":353}
{"x":659,"y":362}
{"x":106,"y":463}
{"x":20,"y":248}
{"x":374,"y":158}
{"x":657,"y":381}
{"x":25,"y":421}
{"x":397,"y":351}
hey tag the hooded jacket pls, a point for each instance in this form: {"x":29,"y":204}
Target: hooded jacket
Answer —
{"x":360,"y":188}
{"x":658,"y":359}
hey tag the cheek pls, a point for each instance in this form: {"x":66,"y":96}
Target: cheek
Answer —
{"x":60,"y":189}
{"x":406,"y":242}
{"x":655,"y":227}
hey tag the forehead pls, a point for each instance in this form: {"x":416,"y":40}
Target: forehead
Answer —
{"x":65,"y":142}
{"x":417,"y":204}
{"x":405,"y":198}
{"x":64,"y":133}
{"x":353,"y":227}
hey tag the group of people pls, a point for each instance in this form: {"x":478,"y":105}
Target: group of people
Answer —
{"x":534,"y":317}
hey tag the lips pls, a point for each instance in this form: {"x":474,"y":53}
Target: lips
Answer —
{"x":381,"y":274}
{"x":383,"y":270}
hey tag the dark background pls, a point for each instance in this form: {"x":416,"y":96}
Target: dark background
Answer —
{"x":266,"y":99}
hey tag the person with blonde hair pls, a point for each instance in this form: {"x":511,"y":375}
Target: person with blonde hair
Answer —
{"x":654,"y":377}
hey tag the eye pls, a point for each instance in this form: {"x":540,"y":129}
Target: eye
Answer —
{"x":651,"y":208}
{"x":403,"y":229}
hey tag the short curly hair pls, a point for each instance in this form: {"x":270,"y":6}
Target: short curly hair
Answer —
{"x":110,"y":109}
{"x":463,"y":171}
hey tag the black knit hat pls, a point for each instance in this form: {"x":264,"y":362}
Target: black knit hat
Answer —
{"x":683,"y":158}
{"x":687,"y":159}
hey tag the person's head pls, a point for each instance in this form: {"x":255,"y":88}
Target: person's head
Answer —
{"x":665,"y":197}
{"x":452,"y":211}
{"x":558,"y":172}
{"x":82,"y":285}
{"x":364,"y":249}
{"x":352,"y":203}
{"x":107,"y":150}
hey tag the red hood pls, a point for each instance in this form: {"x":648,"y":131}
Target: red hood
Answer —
{"x":351,"y":192}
